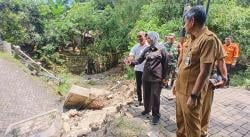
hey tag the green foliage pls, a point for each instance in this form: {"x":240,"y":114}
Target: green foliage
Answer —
{"x":102,"y":4}
{"x":125,"y":127}
{"x":17,"y":23}
{"x":242,"y":78}
{"x":162,"y":16}
{"x":47,"y":26}
{"x":234,"y":22}
{"x":244,"y":3}
{"x":129,"y":73}
{"x":64,"y":87}
{"x":53,"y":25}
{"x":117,"y":25}
{"x":56,"y":7}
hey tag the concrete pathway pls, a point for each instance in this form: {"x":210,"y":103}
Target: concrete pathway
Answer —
{"x":21,"y":95}
{"x":230,"y":113}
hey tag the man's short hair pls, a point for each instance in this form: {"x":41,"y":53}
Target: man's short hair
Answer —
{"x":230,"y":37}
{"x":142,"y":33}
{"x":198,"y":13}
{"x":171,"y":35}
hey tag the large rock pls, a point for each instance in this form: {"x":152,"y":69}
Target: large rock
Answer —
{"x":48,"y":124}
{"x":82,"y":98}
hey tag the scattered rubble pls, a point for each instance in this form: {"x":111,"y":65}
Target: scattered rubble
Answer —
{"x":88,"y":121}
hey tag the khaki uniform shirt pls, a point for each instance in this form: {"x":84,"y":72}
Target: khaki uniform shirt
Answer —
{"x":202,"y":49}
{"x":221,"y":53}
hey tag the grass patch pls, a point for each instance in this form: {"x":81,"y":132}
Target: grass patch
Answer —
{"x":241,"y":79}
{"x":64,"y":86}
{"x":8,"y":57}
{"x":124,"y":127}
{"x":14,"y":60}
{"x":92,"y":82}
{"x":129,"y":73}
{"x":71,"y":79}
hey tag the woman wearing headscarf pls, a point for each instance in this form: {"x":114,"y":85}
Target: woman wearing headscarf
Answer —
{"x":154,"y":73}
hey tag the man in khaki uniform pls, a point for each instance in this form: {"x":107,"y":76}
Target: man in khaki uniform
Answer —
{"x":208,"y":92}
{"x":199,"y":55}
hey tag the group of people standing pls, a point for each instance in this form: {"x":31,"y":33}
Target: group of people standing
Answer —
{"x":189,"y":67}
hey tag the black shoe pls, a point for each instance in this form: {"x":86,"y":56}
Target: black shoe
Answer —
{"x":204,"y":135}
{"x":144,"y":113}
{"x":155,"y":120}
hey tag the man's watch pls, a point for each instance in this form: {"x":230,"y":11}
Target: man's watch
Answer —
{"x":194,"y":96}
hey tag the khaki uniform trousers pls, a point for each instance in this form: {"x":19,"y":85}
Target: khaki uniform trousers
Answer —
{"x":188,"y":120}
{"x":207,"y":98}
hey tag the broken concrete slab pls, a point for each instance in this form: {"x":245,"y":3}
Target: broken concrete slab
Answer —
{"x":48,"y":124}
{"x":81,"y":98}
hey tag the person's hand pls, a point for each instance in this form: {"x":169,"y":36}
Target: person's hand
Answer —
{"x":191,"y":103}
{"x":222,"y":83}
{"x":127,"y":61}
{"x":164,"y":82}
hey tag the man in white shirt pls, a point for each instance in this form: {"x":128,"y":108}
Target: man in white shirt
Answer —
{"x":135,"y":54}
